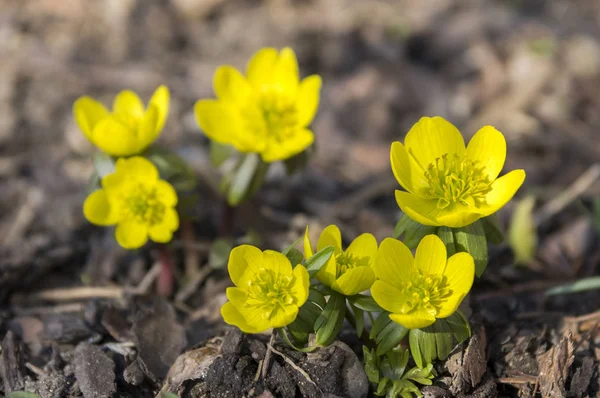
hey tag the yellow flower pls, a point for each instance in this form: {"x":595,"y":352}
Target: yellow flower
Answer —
{"x":417,"y":291}
{"x":129,"y":128}
{"x":137,"y":201}
{"x":447,"y":183}
{"x":348,"y":272}
{"x":268,"y":111}
{"x":268,"y":291}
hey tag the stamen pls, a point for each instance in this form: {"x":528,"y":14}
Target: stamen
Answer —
{"x":140,"y":203}
{"x":270,"y":292}
{"x":278,"y":117}
{"x":453,"y":179}
{"x":347,"y":261}
{"x":426,"y":292}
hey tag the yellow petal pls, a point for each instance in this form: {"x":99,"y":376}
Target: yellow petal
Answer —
{"x":503,"y":189}
{"x":137,"y":168}
{"x":407,"y":171}
{"x":283,"y":316}
{"x":276,"y":262}
{"x":97,"y":209}
{"x":364,"y":248}
{"x":115,"y":138}
{"x":432,"y":137}
{"x":218,"y":121}
{"x":354,"y":281}
{"x":88,"y":112}
{"x":286,"y":74}
{"x":233,"y":317}
{"x":394,"y":262}
{"x":430,"y":256}
{"x":328,"y":272}
{"x":460,"y":272}
{"x":307,"y":101}
{"x":331,"y":236}
{"x":131,"y":235}
{"x":308,"y":251}
{"x":461,"y":216}
{"x":261,"y":65}
{"x":244,"y":262}
{"x":147,"y":130}
{"x":301,"y":285}
{"x":165,"y":193}
{"x":417,"y":319}
{"x":237,"y":296}
{"x":231,"y":86}
{"x":128,"y":103}
{"x":160,"y":99}
{"x":388,"y":297}
{"x":281,"y":149}
{"x":488,"y":147}
{"x":163,"y":232}
{"x":423,"y":211}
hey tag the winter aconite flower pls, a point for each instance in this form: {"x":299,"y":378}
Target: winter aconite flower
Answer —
{"x":348,"y":272}
{"x":268,"y":111}
{"x":420,"y":290}
{"x":267,"y":292}
{"x":137,"y":201}
{"x":447,"y":183}
{"x":129,"y":128}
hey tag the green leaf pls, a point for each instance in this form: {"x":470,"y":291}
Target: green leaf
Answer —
{"x":364,"y":302}
{"x":304,"y":323}
{"x":164,"y":394}
{"x":172,"y":168}
{"x":412,"y":230}
{"x":471,"y":239}
{"x":371,"y":365}
{"x":318,"y":260}
{"x":522,"y":234}
{"x":218,"y":254}
{"x":331,"y":320}
{"x":398,"y":359}
{"x":21,"y":394}
{"x":438,"y":340}
{"x":242,"y":178}
{"x":590,"y":283}
{"x":281,"y":332}
{"x":219,"y":153}
{"x":446,"y":235}
{"x":381,"y":322}
{"x":491,"y":227}
{"x":292,"y":246}
{"x":295,"y":256}
{"x":103,"y":164}
{"x":359,"y":316}
{"x":389,"y":337}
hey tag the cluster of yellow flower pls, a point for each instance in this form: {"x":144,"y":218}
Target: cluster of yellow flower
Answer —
{"x":268,"y":112}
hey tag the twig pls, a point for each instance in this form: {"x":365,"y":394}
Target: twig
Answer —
{"x":267,"y":361}
{"x":579,"y":186}
{"x":144,"y":286}
{"x":186,"y":291}
{"x":524,"y":379}
{"x":54,"y":309}
{"x":583,"y":318}
{"x":79,"y":293}
{"x":192,"y":259}
{"x":34,"y":369}
{"x":293,"y":365}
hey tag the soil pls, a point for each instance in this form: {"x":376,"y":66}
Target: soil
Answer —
{"x":80,"y":317}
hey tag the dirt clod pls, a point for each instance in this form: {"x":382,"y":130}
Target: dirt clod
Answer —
{"x":94,"y":371}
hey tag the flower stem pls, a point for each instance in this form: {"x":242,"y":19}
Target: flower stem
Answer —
{"x":164,"y":286}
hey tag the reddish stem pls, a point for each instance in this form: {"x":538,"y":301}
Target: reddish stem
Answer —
{"x":227,"y":219}
{"x":164,"y":285}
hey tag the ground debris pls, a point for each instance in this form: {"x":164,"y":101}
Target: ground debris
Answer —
{"x":94,"y":371}
{"x":468,"y":366}
{"x":554,"y":367}
{"x":11,"y":366}
{"x":582,"y":378}
{"x":191,"y":365}
{"x":159,"y":340}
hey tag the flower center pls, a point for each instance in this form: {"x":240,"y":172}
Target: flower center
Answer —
{"x":346,"y":261}
{"x":277,"y":117}
{"x":453,"y":179}
{"x":425,"y":291}
{"x":270,"y":292}
{"x":141,"y":204}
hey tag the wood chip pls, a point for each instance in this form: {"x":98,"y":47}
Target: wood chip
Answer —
{"x":468,"y":367}
{"x":94,"y":371}
{"x":554,"y":367}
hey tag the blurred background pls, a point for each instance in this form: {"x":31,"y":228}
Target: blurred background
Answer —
{"x":531,"y":68}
